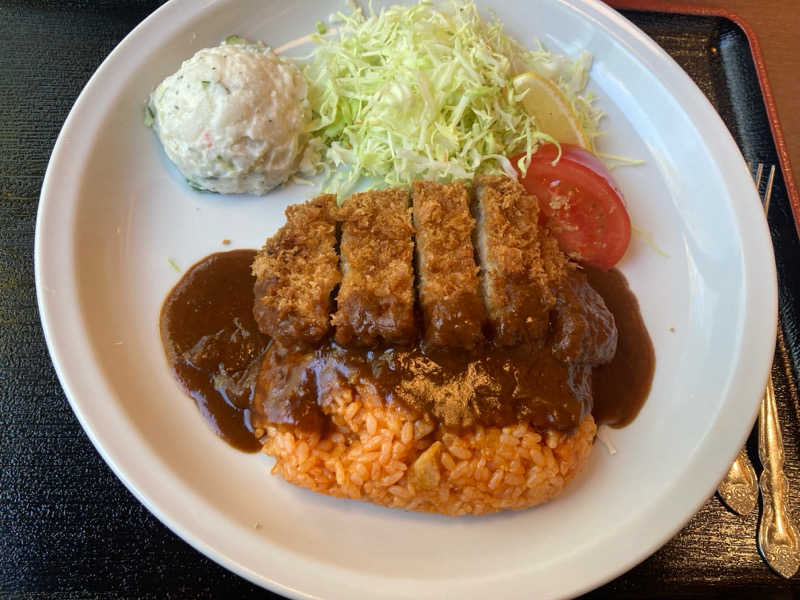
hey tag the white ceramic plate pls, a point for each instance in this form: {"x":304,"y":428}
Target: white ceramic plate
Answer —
{"x":113,"y":211}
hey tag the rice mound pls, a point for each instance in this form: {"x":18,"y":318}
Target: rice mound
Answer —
{"x":380,"y":453}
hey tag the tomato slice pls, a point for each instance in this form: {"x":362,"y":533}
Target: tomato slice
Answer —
{"x":580,"y":203}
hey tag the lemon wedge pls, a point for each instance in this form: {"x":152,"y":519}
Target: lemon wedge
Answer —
{"x":551,"y":110}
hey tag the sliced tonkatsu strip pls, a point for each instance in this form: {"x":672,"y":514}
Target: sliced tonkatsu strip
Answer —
{"x":296,"y":272}
{"x":522,"y":267}
{"x":376,"y":298}
{"x":584,"y":330}
{"x":449,"y":291}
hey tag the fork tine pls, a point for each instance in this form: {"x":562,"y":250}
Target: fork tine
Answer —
{"x":757,"y":178}
{"x":768,"y":191}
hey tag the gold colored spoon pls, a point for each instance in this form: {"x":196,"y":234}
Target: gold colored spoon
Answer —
{"x":739,"y":489}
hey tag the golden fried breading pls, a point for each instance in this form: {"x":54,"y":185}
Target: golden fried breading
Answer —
{"x":521,"y":264}
{"x":376,"y":298}
{"x":296,"y":272}
{"x":449,"y":292}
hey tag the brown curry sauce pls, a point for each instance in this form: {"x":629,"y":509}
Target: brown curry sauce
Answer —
{"x":213,"y":344}
{"x":216,"y":352}
{"x":621,"y":387}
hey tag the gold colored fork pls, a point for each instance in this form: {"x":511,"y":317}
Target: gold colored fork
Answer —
{"x":778,"y":538}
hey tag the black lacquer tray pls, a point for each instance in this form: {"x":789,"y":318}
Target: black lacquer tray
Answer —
{"x":70,"y":529}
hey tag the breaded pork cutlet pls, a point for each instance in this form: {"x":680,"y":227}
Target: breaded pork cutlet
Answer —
{"x":522,"y":267}
{"x":296,"y":272}
{"x":449,"y":291}
{"x":376,"y":298}
{"x":584,"y":330}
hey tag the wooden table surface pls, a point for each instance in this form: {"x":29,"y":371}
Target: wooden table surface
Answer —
{"x":70,"y":529}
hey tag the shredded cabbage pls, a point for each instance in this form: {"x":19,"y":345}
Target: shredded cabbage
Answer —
{"x":422,"y":92}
